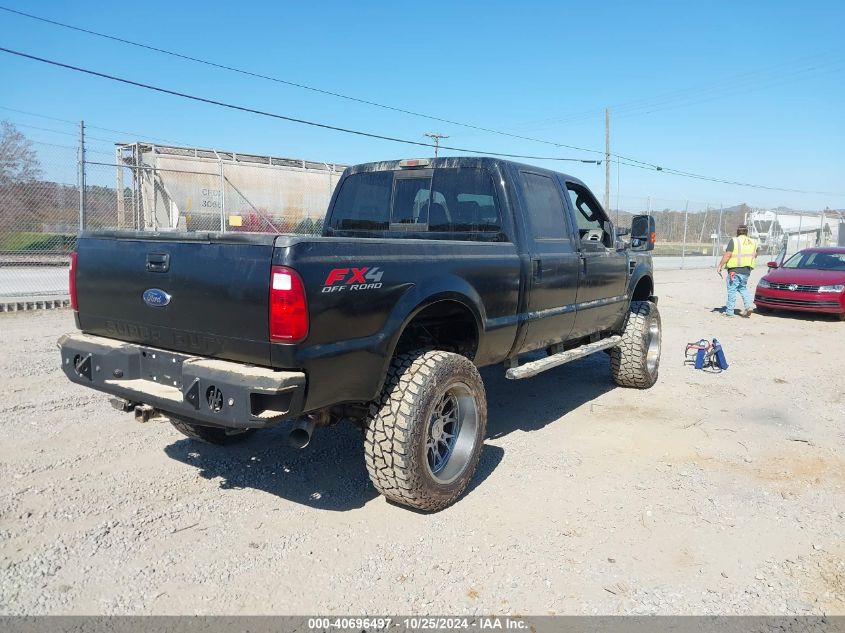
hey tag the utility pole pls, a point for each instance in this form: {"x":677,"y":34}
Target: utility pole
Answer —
{"x":821,"y":231}
{"x":82,"y":175}
{"x":222,"y":199}
{"x":606,"y":160}
{"x":436,"y":138}
{"x":703,"y":224}
{"x":684,"y":244}
{"x":719,"y":227}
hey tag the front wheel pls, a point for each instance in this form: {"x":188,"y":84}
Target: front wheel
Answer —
{"x":635,"y":361}
{"x":424,"y":434}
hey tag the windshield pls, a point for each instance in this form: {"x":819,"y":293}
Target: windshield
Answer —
{"x":816,"y":260}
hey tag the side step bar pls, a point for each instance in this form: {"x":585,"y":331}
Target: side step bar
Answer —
{"x":538,"y":366}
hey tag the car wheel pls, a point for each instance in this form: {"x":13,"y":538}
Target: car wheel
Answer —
{"x":425,"y":433}
{"x":636,"y":360}
{"x":210,"y":434}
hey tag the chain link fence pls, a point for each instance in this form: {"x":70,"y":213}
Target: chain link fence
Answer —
{"x":694,"y":233}
{"x":148,"y":187}
{"x":39,"y":219}
{"x":151,"y":187}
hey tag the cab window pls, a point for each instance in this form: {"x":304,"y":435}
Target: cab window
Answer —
{"x":363,"y":202}
{"x":443,"y":203}
{"x":410,"y":204}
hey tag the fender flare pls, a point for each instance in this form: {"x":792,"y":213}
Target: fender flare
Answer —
{"x":420,"y":297}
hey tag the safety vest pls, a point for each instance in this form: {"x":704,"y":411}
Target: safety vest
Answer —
{"x":743,"y":253}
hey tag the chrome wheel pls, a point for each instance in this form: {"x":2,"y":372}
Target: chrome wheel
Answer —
{"x":653,"y":346}
{"x":451,"y":433}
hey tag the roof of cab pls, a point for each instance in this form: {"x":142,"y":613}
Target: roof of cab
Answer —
{"x":454,"y":162}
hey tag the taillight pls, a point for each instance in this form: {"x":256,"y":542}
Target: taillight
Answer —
{"x":71,"y":282}
{"x":288,"y":308}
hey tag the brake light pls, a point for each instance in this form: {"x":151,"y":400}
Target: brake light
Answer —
{"x":71,"y":282}
{"x":288,"y":308}
{"x":411,"y":163}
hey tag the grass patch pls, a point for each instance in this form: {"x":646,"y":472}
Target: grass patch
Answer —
{"x":32,"y":241}
{"x":669,"y":249}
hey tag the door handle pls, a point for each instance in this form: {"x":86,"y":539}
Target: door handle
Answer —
{"x":583,"y":259}
{"x":537,"y":268}
{"x":158,"y":262}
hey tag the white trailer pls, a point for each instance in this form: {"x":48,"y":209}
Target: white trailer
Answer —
{"x":776,"y":230}
{"x":205,"y":189}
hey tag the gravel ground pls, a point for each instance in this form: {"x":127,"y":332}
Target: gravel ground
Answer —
{"x":706,"y":494}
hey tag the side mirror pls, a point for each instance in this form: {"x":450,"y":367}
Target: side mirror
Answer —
{"x":643,"y":233}
{"x":772,"y":264}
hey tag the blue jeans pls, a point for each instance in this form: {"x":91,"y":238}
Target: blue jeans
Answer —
{"x":737,"y":283}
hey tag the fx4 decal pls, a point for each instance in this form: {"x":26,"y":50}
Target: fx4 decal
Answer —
{"x":341,"y":279}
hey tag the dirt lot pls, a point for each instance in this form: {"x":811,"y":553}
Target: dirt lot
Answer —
{"x":707,"y":494}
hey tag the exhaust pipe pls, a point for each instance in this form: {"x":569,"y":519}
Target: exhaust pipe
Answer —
{"x":300,"y":434}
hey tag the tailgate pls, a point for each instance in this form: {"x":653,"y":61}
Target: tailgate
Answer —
{"x":203,"y":294}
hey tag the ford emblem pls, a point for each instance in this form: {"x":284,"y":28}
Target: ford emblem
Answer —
{"x":793,"y":287}
{"x":156,"y":298}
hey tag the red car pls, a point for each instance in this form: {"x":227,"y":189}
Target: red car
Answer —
{"x":812,"y":280}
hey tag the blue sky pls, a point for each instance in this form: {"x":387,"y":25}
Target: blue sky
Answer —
{"x":748,"y":91}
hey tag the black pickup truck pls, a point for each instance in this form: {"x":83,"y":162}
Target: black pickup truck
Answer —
{"x":426,"y":270}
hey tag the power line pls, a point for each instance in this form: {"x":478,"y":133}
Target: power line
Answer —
{"x":693,"y":96}
{"x":47,"y":129}
{"x":313,"y":89}
{"x":93,"y":127}
{"x":724,"y":181}
{"x":627,"y":161}
{"x":630,"y":106}
{"x":286,"y":82}
{"x":73,"y":147}
{"x":282,"y":117}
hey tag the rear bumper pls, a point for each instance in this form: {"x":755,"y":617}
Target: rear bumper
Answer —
{"x":210,"y":391}
{"x":828,"y":302}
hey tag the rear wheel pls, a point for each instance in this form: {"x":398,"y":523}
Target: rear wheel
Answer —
{"x":425,"y":432}
{"x":636,"y":360}
{"x":210,"y":434}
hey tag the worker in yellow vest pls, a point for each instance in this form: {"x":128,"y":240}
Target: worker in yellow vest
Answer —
{"x":739,"y":259}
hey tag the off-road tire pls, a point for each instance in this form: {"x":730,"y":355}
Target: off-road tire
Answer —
{"x":209,"y":434}
{"x":631,"y":363}
{"x":398,"y":427}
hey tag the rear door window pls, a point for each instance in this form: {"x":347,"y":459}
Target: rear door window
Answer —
{"x":546,"y":213}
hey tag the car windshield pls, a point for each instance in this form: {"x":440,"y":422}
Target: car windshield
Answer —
{"x":817,"y":260}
